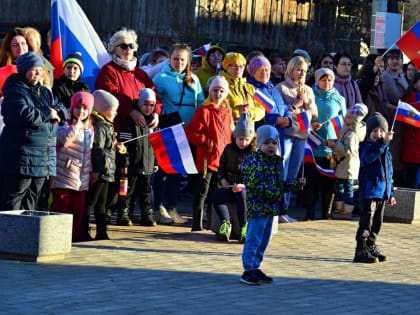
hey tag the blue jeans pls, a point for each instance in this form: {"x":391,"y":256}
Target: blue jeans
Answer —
{"x":294,"y":150}
{"x":344,"y":191}
{"x":165,"y":189}
{"x":257,"y":237}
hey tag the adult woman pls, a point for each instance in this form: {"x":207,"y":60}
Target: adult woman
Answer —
{"x":410,"y":71}
{"x":344,"y":84}
{"x":27,"y":144}
{"x":279,"y":117}
{"x":330,"y":104}
{"x":395,"y":86}
{"x":299,"y":98}
{"x":240,"y":93}
{"x":278,"y":68}
{"x":14,"y":45}
{"x":181,"y":94}
{"x":123,"y":79}
{"x":325,"y":61}
{"x":210,"y":64}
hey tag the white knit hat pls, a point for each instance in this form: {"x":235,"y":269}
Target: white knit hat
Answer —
{"x":219,"y":81}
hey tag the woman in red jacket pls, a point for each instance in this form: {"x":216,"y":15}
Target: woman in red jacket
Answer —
{"x":123,"y":79}
{"x":410,"y":149}
{"x":210,"y":130}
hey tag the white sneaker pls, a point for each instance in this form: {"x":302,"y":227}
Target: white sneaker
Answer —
{"x":163,"y":217}
{"x":176,"y":217}
{"x":283,"y":219}
{"x":291,"y":220}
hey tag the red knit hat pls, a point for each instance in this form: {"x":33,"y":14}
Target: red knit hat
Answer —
{"x":84,"y":98}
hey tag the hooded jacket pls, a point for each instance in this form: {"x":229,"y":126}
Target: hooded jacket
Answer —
{"x":349,"y":89}
{"x":346,"y":150}
{"x":206,"y":71}
{"x":64,"y":89}
{"x":28,"y":140}
{"x":241,"y":93}
{"x":169,"y":85}
{"x":210,"y":130}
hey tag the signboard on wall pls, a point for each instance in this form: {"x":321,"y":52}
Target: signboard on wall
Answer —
{"x":387,"y":29}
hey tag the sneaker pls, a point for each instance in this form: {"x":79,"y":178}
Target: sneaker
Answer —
{"x":283,"y":219}
{"x":242,"y":237}
{"x":176,"y":217}
{"x":250,"y":278}
{"x":290,"y":219}
{"x":263,"y":277}
{"x":163,"y":217}
{"x":375,"y":252}
{"x":224,"y":231}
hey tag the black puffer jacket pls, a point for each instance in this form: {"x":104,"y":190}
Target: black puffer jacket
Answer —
{"x":103,"y":151}
{"x":65,"y":88}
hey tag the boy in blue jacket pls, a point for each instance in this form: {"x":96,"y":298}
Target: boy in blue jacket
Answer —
{"x":375,"y":188}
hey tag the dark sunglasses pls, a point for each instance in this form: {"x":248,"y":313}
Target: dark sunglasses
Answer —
{"x":124,"y":46}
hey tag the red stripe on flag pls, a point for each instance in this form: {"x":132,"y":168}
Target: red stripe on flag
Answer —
{"x":410,"y":45}
{"x":161,"y":153}
{"x":57,"y":58}
{"x":408,"y":120}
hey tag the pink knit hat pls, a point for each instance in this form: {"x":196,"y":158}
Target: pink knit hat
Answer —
{"x":82,"y":98}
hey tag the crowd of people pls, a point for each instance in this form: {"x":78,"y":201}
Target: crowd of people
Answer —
{"x":62,"y":147}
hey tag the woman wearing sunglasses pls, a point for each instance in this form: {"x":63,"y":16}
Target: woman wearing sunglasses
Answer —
{"x":123,"y":79}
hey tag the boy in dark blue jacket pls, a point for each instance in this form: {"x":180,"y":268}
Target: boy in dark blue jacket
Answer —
{"x":375,"y":188}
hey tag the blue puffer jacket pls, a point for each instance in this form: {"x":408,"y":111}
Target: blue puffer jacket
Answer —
{"x":28,"y":141}
{"x":279,"y":110}
{"x":330,"y":104}
{"x":168,"y":84}
{"x":375,"y":175}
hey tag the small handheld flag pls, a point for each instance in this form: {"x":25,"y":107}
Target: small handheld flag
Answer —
{"x":203,"y":50}
{"x":264,"y":100}
{"x":304,"y":118}
{"x":172,"y":150}
{"x":314,"y":140}
{"x":409,"y":44}
{"x":337,"y":123}
{"x":309,"y":158}
{"x":408,"y":114}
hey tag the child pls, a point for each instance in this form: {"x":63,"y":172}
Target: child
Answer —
{"x":265,"y":191}
{"x":375,"y":188}
{"x":70,"y":83}
{"x":230,"y":176}
{"x":103,"y":158}
{"x":140,"y":160}
{"x":346,"y":159}
{"x":74,"y":141}
{"x":210,"y":130}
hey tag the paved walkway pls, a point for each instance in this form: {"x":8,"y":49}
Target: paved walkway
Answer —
{"x":169,"y":270}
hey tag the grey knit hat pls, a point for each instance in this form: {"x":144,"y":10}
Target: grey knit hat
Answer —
{"x":323,"y":71}
{"x":266,"y":132}
{"x":28,"y":61}
{"x":357,"y":112}
{"x":374,"y":121}
{"x":146,"y":94}
{"x":244,"y":126}
{"x":104,"y":101}
{"x":302,"y":53}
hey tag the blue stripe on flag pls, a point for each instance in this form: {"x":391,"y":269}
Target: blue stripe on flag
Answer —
{"x":172,"y":149}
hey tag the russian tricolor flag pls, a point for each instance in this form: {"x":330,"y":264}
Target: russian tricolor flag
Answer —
{"x":408,"y":114}
{"x":172,"y":150}
{"x":309,"y":158}
{"x":203,"y":50}
{"x":72,"y":32}
{"x":264,"y":100}
{"x":409,"y":43}
{"x":304,"y":119}
{"x":337,"y":123}
{"x":314,"y":140}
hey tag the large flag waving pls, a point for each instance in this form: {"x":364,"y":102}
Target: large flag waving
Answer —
{"x":72,"y":32}
{"x":408,"y":114}
{"x":409,"y":43}
{"x":172,"y":150}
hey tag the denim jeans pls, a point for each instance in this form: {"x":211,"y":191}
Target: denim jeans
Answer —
{"x":257,"y":238}
{"x":165,"y":189}
{"x":344,"y":191}
{"x":294,"y":150}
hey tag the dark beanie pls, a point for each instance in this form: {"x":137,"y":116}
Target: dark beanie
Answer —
{"x":28,"y":61}
{"x":374,"y":121}
{"x":76,"y":58}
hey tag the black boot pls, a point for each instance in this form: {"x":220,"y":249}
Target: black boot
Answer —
{"x":374,"y":251}
{"x":84,"y":230}
{"x":101,"y":233}
{"x":123,"y":218}
{"x":310,"y":214}
{"x":197,"y":220}
{"x":362,"y":254}
{"x":147,"y":218}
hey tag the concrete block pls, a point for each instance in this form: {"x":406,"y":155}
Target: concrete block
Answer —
{"x":407,"y":208}
{"x":35,"y":235}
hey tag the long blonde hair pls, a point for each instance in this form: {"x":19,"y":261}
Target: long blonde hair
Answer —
{"x":294,"y":63}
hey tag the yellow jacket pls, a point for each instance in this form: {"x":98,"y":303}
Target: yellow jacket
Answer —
{"x":206,"y":71}
{"x":241,"y":93}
